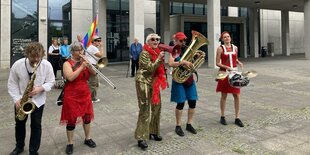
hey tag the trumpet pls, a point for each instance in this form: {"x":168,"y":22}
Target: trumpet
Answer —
{"x":102,"y":62}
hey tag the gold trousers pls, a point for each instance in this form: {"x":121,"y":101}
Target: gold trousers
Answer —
{"x":149,"y":114}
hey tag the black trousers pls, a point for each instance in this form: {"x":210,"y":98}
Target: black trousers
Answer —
{"x":134,"y":67}
{"x":36,"y":130}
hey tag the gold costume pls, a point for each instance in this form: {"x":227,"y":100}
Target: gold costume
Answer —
{"x":149,"y":114}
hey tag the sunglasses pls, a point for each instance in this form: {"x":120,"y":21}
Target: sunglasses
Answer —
{"x":153,"y":39}
{"x":97,"y":40}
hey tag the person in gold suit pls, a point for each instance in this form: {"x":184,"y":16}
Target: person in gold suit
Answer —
{"x":150,"y":77}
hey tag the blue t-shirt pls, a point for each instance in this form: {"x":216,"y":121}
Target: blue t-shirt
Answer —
{"x":64,"y":51}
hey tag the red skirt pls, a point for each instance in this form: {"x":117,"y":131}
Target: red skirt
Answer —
{"x":77,"y":105}
{"x":224,"y":87}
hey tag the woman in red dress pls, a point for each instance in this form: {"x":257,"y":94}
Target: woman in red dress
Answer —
{"x":77,"y":105}
{"x":226,"y":59}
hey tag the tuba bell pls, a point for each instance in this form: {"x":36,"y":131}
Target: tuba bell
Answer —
{"x":197,"y":57}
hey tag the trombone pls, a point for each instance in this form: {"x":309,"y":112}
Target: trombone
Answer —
{"x":102,"y":62}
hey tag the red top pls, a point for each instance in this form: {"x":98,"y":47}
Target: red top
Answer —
{"x":223,"y":85}
{"x":77,"y":99}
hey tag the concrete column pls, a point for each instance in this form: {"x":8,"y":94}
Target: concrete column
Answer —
{"x":243,"y":42}
{"x":5,"y":48}
{"x":165,"y":21}
{"x":214,"y":30}
{"x":285,"y":33}
{"x":307,"y":28}
{"x":82,"y":17}
{"x":42,"y":23}
{"x":136,"y":20}
{"x":253,"y":34}
{"x":101,"y":9}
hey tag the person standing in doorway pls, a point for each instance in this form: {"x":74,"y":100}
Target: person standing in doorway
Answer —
{"x":54,"y":56}
{"x":64,"y":52}
{"x":135,"y":50}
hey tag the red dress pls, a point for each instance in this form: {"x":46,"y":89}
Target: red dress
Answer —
{"x":223,"y":85}
{"x":77,"y":99}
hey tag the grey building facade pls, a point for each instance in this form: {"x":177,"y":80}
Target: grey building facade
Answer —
{"x":279,"y":27}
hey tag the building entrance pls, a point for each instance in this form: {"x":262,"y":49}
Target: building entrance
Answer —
{"x":199,"y":27}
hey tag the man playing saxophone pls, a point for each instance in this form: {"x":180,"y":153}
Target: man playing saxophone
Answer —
{"x":30,"y":78}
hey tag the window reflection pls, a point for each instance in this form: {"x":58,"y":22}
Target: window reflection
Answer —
{"x":59,"y":9}
{"x":24,"y":26}
{"x":59,"y":20}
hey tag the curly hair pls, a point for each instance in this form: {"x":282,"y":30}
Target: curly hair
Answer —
{"x":34,"y":49}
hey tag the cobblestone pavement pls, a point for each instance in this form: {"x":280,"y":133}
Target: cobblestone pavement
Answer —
{"x":274,"y":108}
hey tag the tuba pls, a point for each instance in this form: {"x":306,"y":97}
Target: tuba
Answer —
{"x":27,"y":106}
{"x":197,"y":57}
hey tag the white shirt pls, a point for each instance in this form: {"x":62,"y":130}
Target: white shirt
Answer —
{"x":19,"y":78}
{"x":92,"y":50}
{"x":52,"y":48}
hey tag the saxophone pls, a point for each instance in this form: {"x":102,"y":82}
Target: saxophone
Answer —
{"x":197,"y":57}
{"x":26,"y":105}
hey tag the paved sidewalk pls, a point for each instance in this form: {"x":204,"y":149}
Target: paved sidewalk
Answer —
{"x":274,"y":108}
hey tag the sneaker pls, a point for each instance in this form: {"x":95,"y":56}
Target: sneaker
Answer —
{"x":179,"y":131}
{"x":17,"y":151}
{"x":238,"y":122}
{"x":223,"y":120}
{"x":96,"y":100}
{"x":90,"y":143}
{"x":69,"y":149}
{"x":191,"y":129}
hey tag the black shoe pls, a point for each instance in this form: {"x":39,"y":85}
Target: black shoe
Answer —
{"x":191,"y":129}
{"x":156,"y":137}
{"x":179,"y":131}
{"x":17,"y":151}
{"x":33,"y":153}
{"x":90,"y":143}
{"x":238,"y":122}
{"x":142,"y":144}
{"x":69,"y":149}
{"x":223,"y":120}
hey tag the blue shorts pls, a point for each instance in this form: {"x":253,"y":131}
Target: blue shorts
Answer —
{"x":180,"y":92}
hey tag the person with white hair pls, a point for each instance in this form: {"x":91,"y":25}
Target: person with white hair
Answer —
{"x":77,"y":105}
{"x":135,"y":50}
{"x":150,"y":78}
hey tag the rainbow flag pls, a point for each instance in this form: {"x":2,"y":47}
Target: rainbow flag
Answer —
{"x":92,"y":31}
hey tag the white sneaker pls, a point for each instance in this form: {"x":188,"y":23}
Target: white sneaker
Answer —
{"x":96,"y":100}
